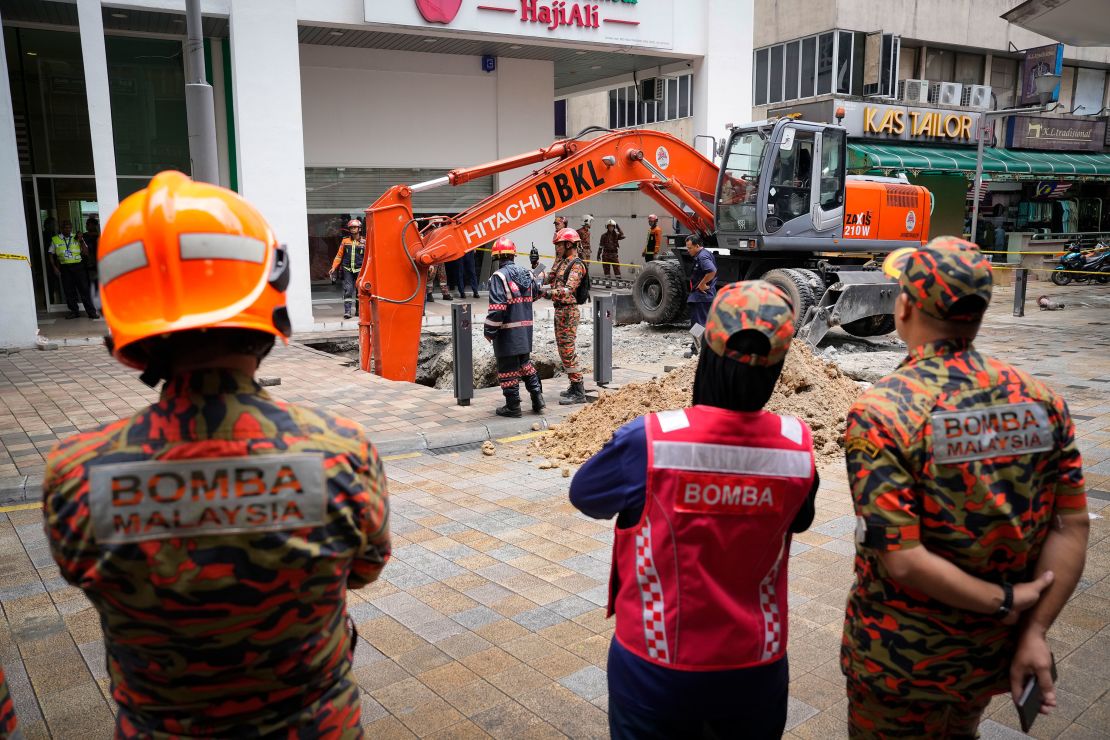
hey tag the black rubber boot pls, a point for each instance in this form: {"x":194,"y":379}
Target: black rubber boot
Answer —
{"x":511,"y":408}
{"x":577,"y":395}
{"x":568,"y":392}
{"x":430,"y":298}
{"x":535,"y":391}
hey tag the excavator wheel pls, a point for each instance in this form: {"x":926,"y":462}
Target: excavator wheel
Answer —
{"x":660,"y":291}
{"x":870,"y":326}
{"x":795,"y":283}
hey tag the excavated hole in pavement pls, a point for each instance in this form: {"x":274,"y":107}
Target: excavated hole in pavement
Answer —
{"x":634,"y":345}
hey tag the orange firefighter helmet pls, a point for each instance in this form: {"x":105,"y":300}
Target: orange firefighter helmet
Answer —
{"x":568,"y":235}
{"x":181,"y":255}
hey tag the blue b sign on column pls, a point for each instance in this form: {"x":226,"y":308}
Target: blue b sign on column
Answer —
{"x":489,"y":63}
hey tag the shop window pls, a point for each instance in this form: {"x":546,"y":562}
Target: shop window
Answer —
{"x":832,"y":169}
{"x":774,"y":94}
{"x":844,"y":63}
{"x":760,"y":84}
{"x":685,"y":96}
{"x":940,"y":65}
{"x":147,"y":89}
{"x":47,"y":81}
{"x":1004,"y":74}
{"x":907,"y":62}
{"x":561,"y":117}
{"x":626,"y":110}
{"x":859,"y":46}
{"x":969,"y":69}
{"x":1089,"y":86}
{"x":824,"y":63}
{"x":808,"y":82}
{"x":793,"y":63}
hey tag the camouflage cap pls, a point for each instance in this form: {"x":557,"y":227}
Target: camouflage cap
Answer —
{"x":940,"y":274}
{"x":750,"y":305}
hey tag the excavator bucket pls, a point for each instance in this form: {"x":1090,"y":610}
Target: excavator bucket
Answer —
{"x":856,"y":295}
{"x":391,"y":288}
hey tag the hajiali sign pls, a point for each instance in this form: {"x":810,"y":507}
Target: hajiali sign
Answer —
{"x":905,"y":123}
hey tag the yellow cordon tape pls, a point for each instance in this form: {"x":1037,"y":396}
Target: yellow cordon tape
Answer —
{"x":17,"y":257}
{"x":1050,"y":269}
{"x":587,"y":261}
{"x":20,"y":507}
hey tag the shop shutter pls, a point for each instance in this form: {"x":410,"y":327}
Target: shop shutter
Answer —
{"x":332,"y":189}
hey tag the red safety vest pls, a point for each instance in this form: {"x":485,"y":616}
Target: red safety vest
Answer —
{"x":699,"y":583}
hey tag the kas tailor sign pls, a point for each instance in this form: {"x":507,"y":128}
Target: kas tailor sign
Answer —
{"x":642,"y":23}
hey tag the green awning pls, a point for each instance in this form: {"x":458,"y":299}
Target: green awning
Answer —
{"x":998,"y":161}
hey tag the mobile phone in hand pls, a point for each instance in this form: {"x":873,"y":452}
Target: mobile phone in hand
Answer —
{"x":1032,"y":697}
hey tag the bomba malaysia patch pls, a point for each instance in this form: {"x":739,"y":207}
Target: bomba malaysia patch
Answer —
{"x":993,"y":431}
{"x":138,"y":501}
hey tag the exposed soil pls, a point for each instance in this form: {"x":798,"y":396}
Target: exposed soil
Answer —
{"x":809,"y":388}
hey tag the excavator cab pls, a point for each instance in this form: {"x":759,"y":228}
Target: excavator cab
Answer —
{"x":782,"y":187}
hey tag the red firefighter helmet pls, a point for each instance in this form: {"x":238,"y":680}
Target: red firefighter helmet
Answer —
{"x":504,"y":246}
{"x":567,"y":235}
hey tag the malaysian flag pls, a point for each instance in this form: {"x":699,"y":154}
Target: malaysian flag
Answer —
{"x":1047,"y":189}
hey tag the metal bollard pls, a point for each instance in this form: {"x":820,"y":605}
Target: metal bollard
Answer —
{"x":1021,"y":280}
{"x":462,"y":350}
{"x":604,"y":312}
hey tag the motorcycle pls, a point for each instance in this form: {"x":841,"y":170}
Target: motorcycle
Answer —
{"x":1076,"y":261}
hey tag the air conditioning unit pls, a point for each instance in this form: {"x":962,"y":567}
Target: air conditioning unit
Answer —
{"x":913,"y":91}
{"x":976,"y":96}
{"x":946,"y":93}
{"x":651,"y":89}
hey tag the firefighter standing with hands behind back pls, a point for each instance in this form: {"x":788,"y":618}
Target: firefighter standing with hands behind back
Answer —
{"x":971,"y":515}
{"x":352,"y":250}
{"x":699,"y":649}
{"x":224,"y":620}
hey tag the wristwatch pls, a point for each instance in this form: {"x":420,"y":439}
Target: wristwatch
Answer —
{"x":1007,"y":601}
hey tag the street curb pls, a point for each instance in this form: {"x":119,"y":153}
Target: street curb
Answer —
{"x":401,"y":444}
{"x":18,"y":493}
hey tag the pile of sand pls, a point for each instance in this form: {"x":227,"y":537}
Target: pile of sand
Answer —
{"x":808,"y":388}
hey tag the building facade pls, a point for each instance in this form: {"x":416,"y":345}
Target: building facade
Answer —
{"x":321,"y":106}
{"x":913,"y":88}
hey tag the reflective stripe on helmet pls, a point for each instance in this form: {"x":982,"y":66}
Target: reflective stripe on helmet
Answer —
{"x":222,"y":247}
{"x":119,"y":262}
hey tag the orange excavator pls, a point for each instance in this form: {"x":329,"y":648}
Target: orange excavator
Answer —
{"x":779,"y":206}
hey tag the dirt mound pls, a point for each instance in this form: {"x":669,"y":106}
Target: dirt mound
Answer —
{"x":808,"y":388}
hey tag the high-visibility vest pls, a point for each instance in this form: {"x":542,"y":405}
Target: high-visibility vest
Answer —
{"x":66,"y":248}
{"x":699,"y":583}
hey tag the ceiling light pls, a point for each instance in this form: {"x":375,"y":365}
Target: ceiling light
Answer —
{"x":335,"y":33}
{"x":32,"y":53}
{"x":429,"y":41}
{"x":119,"y":15}
{"x":579,"y":52}
{"x":596,"y":66}
{"x":514,"y":47}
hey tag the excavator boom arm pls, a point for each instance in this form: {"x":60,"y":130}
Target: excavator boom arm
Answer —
{"x":394,"y":274}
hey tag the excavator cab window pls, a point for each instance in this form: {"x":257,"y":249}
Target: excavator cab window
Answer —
{"x":791,"y":176}
{"x":737,"y":207}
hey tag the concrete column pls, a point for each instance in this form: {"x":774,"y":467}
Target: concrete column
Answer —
{"x":723,"y":77}
{"x":269,"y":138}
{"x":17,"y":299}
{"x":525,"y":121}
{"x":95,"y":60}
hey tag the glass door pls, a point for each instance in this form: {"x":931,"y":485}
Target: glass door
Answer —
{"x":58,"y":201}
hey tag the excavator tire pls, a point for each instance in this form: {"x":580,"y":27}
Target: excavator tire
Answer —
{"x":660,"y":291}
{"x":795,"y":284}
{"x":870,"y":326}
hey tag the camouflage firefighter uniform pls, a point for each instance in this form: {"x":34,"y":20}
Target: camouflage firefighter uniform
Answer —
{"x":971,"y":458}
{"x":566,"y":277}
{"x":508,"y":326}
{"x":584,"y":249}
{"x":438,"y":273}
{"x":217,"y":533}
{"x":9,"y":724}
{"x":608,"y":250}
